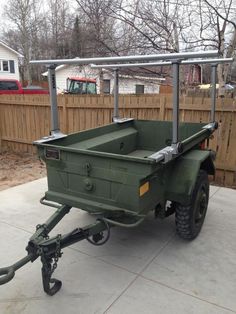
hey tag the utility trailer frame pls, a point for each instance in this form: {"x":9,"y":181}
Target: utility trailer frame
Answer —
{"x":94,"y":157}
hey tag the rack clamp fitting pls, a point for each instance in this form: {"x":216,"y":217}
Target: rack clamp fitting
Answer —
{"x":168,"y":153}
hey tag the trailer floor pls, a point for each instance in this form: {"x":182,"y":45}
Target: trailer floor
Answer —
{"x":143,"y":270}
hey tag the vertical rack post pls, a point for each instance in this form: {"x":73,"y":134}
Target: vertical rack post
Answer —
{"x":213,"y":90}
{"x":53,"y":99}
{"x":175,"y":126}
{"x":116,"y":94}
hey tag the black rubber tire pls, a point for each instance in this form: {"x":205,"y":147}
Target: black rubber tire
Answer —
{"x":189,"y":218}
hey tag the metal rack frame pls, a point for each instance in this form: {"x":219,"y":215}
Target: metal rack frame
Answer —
{"x":174,"y":59}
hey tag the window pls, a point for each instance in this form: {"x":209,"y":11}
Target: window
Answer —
{"x":76,"y":87}
{"x":106,"y":86}
{"x":8,"y":85}
{"x":4,"y":66}
{"x":91,"y":88}
{"x":139,"y":89}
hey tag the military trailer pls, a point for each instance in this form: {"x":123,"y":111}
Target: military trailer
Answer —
{"x":123,"y":170}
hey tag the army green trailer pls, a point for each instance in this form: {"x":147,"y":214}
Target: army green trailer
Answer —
{"x":123,"y":170}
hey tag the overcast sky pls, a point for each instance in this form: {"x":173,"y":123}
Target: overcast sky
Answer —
{"x":3,"y":23}
{"x":2,"y":18}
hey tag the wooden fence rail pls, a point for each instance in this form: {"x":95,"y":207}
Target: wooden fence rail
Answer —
{"x":25,"y":118}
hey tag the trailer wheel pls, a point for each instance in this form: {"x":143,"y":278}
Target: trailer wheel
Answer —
{"x":189,"y":218}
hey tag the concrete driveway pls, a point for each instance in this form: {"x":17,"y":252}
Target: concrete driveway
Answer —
{"x":143,"y":270}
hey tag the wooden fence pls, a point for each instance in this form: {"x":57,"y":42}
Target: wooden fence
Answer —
{"x":25,"y":118}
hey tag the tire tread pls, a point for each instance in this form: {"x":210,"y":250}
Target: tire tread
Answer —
{"x":183,"y":212}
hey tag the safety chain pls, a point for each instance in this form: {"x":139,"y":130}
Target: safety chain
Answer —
{"x":58,"y":253}
{"x":51,"y":264}
{"x":51,"y":285}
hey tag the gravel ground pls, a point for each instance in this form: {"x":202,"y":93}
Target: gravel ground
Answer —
{"x":18,"y":168}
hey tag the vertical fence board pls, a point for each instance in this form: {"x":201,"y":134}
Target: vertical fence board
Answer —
{"x":25,"y":118}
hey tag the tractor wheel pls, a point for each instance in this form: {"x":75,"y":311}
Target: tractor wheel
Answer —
{"x":189,"y":218}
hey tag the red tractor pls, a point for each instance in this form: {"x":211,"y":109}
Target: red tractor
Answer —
{"x":81,"y":85}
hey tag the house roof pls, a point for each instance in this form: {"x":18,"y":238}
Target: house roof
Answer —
{"x":58,"y":68}
{"x":12,"y":50}
{"x":142,"y":77}
{"x":138,"y":74}
{"x":82,"y":79}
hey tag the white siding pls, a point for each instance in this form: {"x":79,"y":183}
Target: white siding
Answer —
{"x":6,"y":54}
{"x":127,"y":85}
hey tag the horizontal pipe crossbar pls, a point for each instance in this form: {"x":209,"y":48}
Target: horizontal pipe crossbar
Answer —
{"x":164,"y":63}
{"x":169,"y":56}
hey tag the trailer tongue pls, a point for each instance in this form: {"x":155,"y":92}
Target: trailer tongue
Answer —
{"x":99,"y":170}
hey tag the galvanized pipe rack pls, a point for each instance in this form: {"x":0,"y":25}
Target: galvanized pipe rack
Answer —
{"x":213,"y":90}
{"x":174,"y":59}
{"x":170,"y":56}
{"x":53,"y":99}
{"x":116,"y":94}
{"x":164,"y":63}
{"x":175,"y":64}
{"x":213,"y":62}
{"x":175,"y":128}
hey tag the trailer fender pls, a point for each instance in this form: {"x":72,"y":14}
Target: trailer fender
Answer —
{"x":183,"y":174}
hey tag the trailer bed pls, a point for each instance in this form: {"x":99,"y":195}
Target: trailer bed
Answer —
{"x":104,"y":168}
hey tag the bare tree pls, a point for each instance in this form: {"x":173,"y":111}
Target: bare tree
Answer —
{"x":225,"y":28}
{"x":104,"y":27}
{"x":76,"y":39}
{"x":22,"y":13}
{"x":59,"y":23}
{"x":156,"y":24}
{"x":213,"y":26}
{"x":99,"y":27}
{"x":169,"y":25}
{"x":40,"y":30}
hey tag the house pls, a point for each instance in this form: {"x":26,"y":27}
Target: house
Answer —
{"x":9,"y":62}
{"x":129,"y":82}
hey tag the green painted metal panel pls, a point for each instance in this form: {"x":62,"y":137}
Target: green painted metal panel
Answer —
{"x":183,"y":174}
{"x":102,"y":169}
